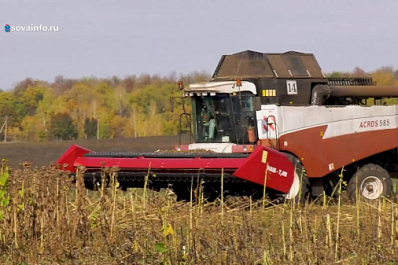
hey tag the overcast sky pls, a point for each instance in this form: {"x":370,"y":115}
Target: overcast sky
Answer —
{"x":106,"y":38}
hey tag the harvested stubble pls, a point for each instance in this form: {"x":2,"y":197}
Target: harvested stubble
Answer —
{"x":51,"y":221}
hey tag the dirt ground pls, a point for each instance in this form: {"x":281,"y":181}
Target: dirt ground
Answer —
{"x":43,"y":153}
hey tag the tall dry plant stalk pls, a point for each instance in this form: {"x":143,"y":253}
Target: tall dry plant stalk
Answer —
{"x":111,"y":226}
{"x":392,"y":226}
{"x":358,"y":206}
{"x":222,"y":196}
{"x":114,"y":185}
{"x":265,"y":185}
{"x":340,"y":185}
{"x":146,"y":185}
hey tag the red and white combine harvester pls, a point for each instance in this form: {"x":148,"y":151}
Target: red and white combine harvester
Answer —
{"x":270,"y":119}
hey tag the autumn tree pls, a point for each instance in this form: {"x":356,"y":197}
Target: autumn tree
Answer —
{"x":62,"y":127}
{"x":8,"y":105}
{"x":90,"y":128}
{"x":81,"y":102}
{"x":112,"y":107}
{"x":385,"y":76}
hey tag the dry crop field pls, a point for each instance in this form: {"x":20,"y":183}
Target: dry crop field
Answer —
{"x":47,"y":219}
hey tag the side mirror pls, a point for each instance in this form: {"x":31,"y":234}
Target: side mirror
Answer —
{"x":257,"y":103}
{"x":172,"y":104}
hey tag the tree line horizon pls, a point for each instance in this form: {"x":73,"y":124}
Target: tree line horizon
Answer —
{"x":107,"y":108}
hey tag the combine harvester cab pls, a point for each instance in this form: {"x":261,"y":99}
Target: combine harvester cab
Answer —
{"x":270,"y":119}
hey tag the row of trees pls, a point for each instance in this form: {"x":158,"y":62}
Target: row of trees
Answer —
{"x":87,"y":108}
{"x":107,"y":108}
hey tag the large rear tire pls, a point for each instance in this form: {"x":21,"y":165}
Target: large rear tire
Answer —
{"x":371,"y":182}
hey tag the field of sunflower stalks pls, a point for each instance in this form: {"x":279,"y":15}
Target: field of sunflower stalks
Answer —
{"x":48,"y":217}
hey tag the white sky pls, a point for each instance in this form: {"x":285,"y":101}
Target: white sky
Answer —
{"x":105,"y":38}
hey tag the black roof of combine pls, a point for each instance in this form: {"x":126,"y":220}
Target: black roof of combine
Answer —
{"x":251,"y":64}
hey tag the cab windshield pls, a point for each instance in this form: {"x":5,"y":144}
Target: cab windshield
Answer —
{"x":223,"y":118}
